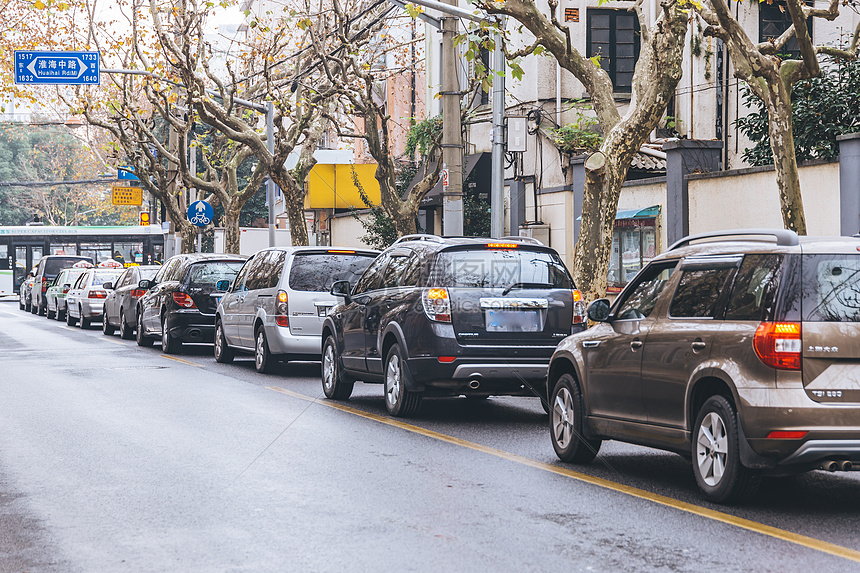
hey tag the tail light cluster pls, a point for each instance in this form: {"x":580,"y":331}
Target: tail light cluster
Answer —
{"x":437,"y":304}
{"x":65,"y":290}
{"x":777,"y":344}
{"x":183,"y":300}
{"x":578,"y":308}
{"x":137,"y":293}
{"x":44,"y":284}
{"x":282,"y":318}
{"x":97,"y":294}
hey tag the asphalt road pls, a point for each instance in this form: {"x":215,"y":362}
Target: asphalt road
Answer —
{"x":118,"y":458}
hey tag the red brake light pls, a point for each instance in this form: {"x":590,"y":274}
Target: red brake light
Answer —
{"x":777,"y":344}
{"x":437,"y":305}
{"x":44,"y":284}
{"x":183,"y":300}
{"x":786,"y":435}
{"x":578,"y":307}
{"x":446,"y":359}
{"x":97,"y":294}
{"x":137,"y":293}
{"x":502,"y":245}
{"x":341,"y":252}
{"x":282,"y":318}
{"x":65,"y":290}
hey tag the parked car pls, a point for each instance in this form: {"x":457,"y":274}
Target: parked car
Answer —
{"x":46,"y":271}
{"x":85,"y":300}
{"x":730,"y":349}
{"x":180,"y":302}
{"x":24,"y":291}
{"x":55,"y":297}
{"x":120,"y":310}
{"x":276,"y":306}
{"x":450,"y":317}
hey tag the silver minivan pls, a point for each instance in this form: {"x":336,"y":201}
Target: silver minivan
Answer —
{"x":277,"y":303}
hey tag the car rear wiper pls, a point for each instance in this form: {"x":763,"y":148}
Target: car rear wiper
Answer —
{"x":526,"y":285}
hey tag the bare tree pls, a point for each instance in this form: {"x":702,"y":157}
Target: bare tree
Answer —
{"x":771,"y":78}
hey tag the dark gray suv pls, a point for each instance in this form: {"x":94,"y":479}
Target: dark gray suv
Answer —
{"x":448,"y":317}
{"x":736,"y":349}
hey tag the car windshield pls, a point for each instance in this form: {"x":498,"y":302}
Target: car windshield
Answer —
{"x":830,"y":288}
{"x":501,"y":268}
{"x":102,"y":277}
{"x":55,"y":265}
{"x":206,"y":274}
{"x":148,"y":273}
{"x":317,"y":272}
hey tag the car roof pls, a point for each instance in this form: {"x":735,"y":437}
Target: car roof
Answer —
{"x":808,"y":245}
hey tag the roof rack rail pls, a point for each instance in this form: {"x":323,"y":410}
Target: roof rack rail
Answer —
{"x":784,"y":237}
{"x":530,"y":240}
{"x":420,"y":237}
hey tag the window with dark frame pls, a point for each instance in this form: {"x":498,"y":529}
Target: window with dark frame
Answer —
{"x":773,"y":20}
{"x":614,"y":36}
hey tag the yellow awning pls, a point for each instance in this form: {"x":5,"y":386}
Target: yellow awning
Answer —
{"x":331,"y":186}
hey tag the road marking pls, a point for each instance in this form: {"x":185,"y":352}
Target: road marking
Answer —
{"x":112,"y":340}
{"x":797,"y":539}
{"x":181,"y":360}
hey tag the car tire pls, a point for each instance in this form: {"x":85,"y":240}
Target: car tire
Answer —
{"x":39,"y":310}
{"x":61,"y":314}
{"x":223,"y":353}
{"x":169,"y":345}
{"x":716,"y":455}
{"x":264,"y":362}
{"x":33,"y":308}
{"x":141,"y":338}
{"x":21,"y":305}
{"x":70,"y":320}
{"x":337,"y":384}
{"x":50,"y":314}
{"x":566,"y":423}
{"x":399,"y":401}
{"x":107,"y":328}
{"x":85,"y":322}
{"x":125,"y":331}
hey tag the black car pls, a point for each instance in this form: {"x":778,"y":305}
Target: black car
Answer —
{"x":121,"y":302}
{"x":46,"y":271}
{"x":181,"y":300}
{"x":451,"y":316}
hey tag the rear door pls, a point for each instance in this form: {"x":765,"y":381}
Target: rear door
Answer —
{"x":231,"y":303}
{"x":246,"y":308}
{"x":352,"y":316}
{"x":830,"y":315}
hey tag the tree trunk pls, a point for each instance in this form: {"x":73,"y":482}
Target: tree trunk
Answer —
{"x":231,"y":228}
{"x":188,"y":232}
{"x":296,"y":215}
{"x":778,"y":102}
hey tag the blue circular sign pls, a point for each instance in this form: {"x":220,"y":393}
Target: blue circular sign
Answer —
{"x":200,"y":213}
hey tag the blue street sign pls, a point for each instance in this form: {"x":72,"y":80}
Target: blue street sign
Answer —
{"x":57,"y":68}
{"x":126,"y":173}
{"x":200,"y":213}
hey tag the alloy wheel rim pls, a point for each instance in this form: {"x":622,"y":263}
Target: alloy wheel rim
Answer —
{"x":712,"y":449}
{"x":164,"y":335}
{"x":392,"y":380}
{"x":562,"y":418}
{"x":258,"y":355}
{"x":218,"y":334}
{"x":328,"y":368}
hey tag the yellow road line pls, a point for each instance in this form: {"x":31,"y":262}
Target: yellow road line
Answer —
{"x":181,"y":360}
{"x":114,"y":341}
{"x":797,"y":539}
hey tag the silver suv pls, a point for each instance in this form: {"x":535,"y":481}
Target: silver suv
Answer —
{"x":739,"y":350}
{"x":276,"y":305}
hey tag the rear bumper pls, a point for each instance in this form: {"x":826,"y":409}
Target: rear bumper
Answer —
{"x":92,"y":308}
{"x":191,"y":326}
{"x":466,"y":375}
{"x":282,"y":341}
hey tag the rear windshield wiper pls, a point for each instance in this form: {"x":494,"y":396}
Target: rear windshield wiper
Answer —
{"x":526,"y":285}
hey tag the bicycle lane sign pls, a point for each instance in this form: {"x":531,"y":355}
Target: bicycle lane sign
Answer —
{"x":200,"y":213}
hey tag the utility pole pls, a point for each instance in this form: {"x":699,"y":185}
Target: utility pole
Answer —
{"x":452,"y":133}
{"x":497,"y":199}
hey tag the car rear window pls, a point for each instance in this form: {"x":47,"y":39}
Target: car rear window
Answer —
{"x":206,"y":274}
{"x":501,"y":268}
{"x":830,"y":288}
{"x":54,"y":265}
{"x":102,"y":277}
{"x":148,"y":273}
{"x":316,"y":272}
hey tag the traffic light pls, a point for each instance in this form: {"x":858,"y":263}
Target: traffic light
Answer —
{"x":144,"y":219}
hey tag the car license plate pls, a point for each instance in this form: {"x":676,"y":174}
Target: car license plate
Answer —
{"x":323,"y":310}
{"x":512,"y":320}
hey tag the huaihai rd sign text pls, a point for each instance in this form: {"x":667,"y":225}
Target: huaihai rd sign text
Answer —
{"x":57,"y":68}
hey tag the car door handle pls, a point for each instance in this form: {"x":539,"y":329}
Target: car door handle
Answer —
{"x":635,"y":344}
{"x":590,"y":343}
{"x":698,"y":345}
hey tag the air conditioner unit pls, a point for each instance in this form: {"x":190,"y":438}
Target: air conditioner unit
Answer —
{"x":539,"y":231}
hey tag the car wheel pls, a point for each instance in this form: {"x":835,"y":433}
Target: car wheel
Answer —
{"x":49,"y":314}
{"x":716,"y":458}
{"x":169,"y":345}
{"x":21,"y":305}
{"x":125,"y":331}
{"x":142,"y":339}
{"x":85,"y":322}
{"x":337,"y":385}
{"x":223,"y":353}
{"x":264,"y":362}
{"x":70,"y":320}
{"x":399,"y":401}
{"x":33,"y":308}
{"x":565,"y":423}
{"x":61,"y":314}
{"x":107,"y":329}
{"x":39,"y":310}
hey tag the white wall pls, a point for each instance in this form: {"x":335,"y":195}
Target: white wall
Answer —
{"x":252,"y":239}
{"x":345,"y":232}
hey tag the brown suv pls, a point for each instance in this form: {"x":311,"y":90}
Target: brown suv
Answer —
{"x":738,"y":349}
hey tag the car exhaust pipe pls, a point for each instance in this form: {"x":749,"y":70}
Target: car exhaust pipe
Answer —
{"x":195,"y":333}
{"x":829,"y":465}
{"x":474,"y":384}
{"x":846,"y":466}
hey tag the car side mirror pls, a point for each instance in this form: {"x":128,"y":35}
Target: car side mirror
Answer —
{"x":108,"y":286}
{"x":340,"y":288}
{"x":30,"y":274}
{"x":598,"y":310}
{"x":223,"y":285}
{"x":145,"y":284}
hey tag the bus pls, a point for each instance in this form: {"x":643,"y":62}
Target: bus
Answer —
{"x":22,"y":247}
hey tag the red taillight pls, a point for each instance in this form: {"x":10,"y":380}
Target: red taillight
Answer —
{"x":777,"y":344}
{"x":578,"y":308}
{"x":65,"y":290}
{"x":183,"y":300}
{"x":282,"y":318}
{"x":446,"y":359}
{"x":501,"y":246}
{"x":137,"y":293}
{"x":786,"y":435}
{"x":97,"y":294}
{"x":44,"y":284}
{"x":437,"y":305}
